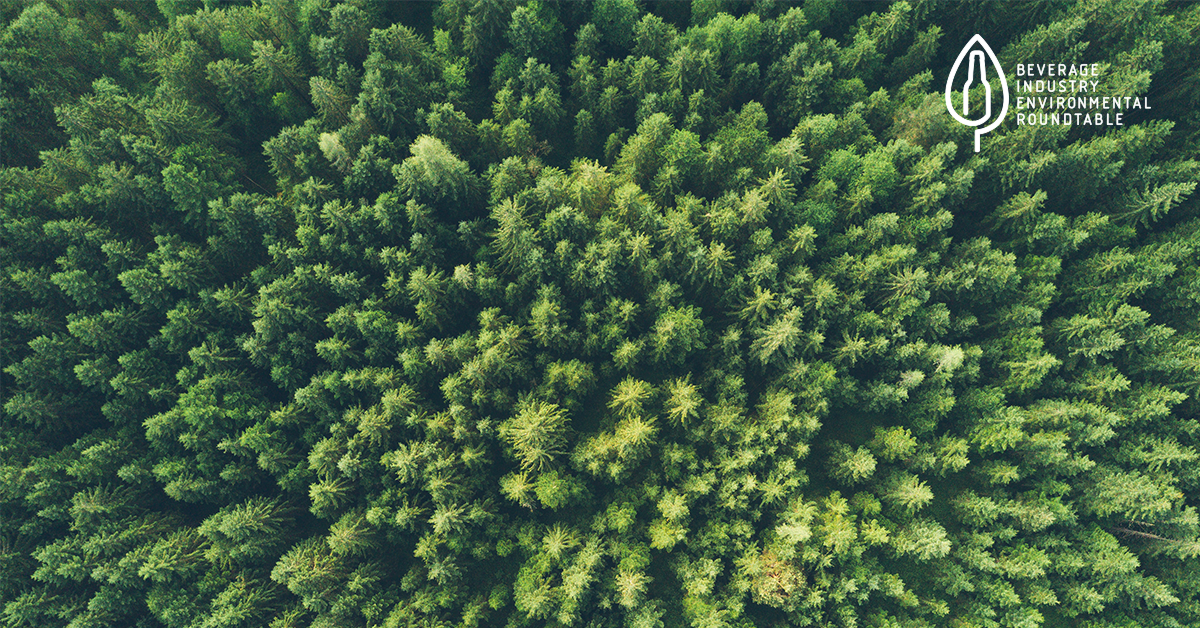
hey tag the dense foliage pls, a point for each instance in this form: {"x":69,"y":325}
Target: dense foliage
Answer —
{"x":601,"y":314}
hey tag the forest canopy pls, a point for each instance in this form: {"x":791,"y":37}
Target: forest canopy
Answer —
{"x":599,"y":314}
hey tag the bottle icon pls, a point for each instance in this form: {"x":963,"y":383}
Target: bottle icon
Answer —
{"x":979,"y":56}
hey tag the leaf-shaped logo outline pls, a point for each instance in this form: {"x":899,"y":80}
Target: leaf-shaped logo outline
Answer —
{"x":966,"y":51}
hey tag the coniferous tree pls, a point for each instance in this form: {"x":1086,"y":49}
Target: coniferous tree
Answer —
{"x":512,"y":313}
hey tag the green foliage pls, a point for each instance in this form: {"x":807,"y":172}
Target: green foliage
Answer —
{"x":535,"y":433}
{"x":499,"y":313}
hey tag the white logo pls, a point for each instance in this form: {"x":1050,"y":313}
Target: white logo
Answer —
{"x":976,"y":73}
